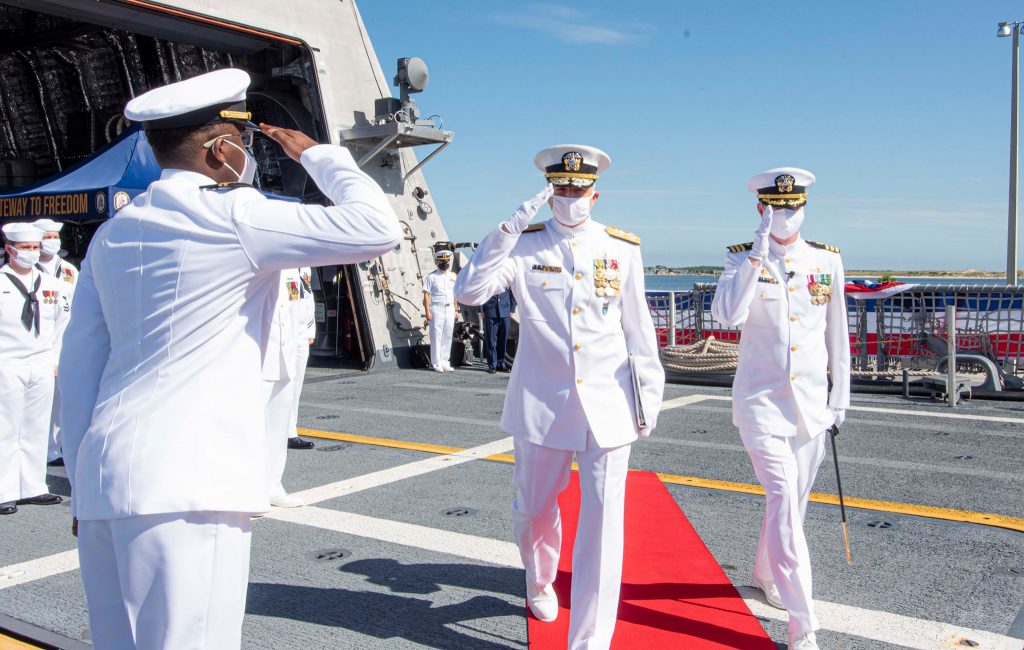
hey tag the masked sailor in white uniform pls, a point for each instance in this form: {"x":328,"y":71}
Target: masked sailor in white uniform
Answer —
{"x":584,"y":322}
{"x":304,"y":315}
{"x":163,"y":412}
{"x":51,"y":262}
{"x":442,"y":309}
{"x":787,"y":295}
{"x":33,"y":314}
{"x":279,"y":368}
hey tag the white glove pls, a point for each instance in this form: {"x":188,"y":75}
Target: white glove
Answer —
{"x":840,"y":415}
{"x":522,"y":216}
{"x":760,"y":248}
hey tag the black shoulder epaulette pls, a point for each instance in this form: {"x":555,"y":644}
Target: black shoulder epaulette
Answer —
{"x":534,"y":228}
{"x":234,"y":185}
{"x":740,"y":248}
{"x":824,"y":247}
{"x":624,"y":235}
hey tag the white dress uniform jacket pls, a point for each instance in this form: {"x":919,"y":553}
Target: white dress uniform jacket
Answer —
{"x":572,"y":368}
{"x":68,"y":273}
{"x":789,"y":342}
{"x":160,"y":376}
{"x":27,"y":361}
{"x":304,"y":310}
{"x":279,"y":361}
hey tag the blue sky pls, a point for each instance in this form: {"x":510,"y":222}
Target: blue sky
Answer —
{"x":900,"y":108}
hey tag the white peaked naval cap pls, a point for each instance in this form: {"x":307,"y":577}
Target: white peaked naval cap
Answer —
{"x":782,"y":187}
{"x":572,"y":164}
{"x":442,"y":255}
{"x":48,"y":225}
{"x":22,"y":232}
{"x":217,"y":96}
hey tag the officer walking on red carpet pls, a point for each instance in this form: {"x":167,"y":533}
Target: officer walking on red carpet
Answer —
{"x":587,"y":381}
{"x":162,"y":408}
{"x":787,"y":294}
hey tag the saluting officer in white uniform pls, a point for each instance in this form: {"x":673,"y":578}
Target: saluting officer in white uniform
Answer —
{"x":51,"y":262}
{"x":163,"y":412}
{"x":442,"y":309}
{"x":583,"y":320}
{"x":279,"y":373}
{"x":33,"y":314}
{"x":787,"y":294}
{"x":304,"y":314}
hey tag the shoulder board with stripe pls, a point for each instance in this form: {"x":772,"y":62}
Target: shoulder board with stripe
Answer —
{"x":224,"y":186}
{"x":824,"y":247}
{"x":740,"y":248}
{"x":624,"y":235}
{"x":537,"y":227}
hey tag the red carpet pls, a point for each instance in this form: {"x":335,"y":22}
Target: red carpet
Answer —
{"x":674,"y":594}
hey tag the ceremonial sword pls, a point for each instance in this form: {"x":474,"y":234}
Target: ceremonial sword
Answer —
{"x":834,"y":431}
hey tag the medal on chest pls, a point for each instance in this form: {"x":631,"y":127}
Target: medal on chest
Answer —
{"x":607,"y":281}
{"x":293,"y":290}
{"x":49,"y":297}
{"x":819,"y":285}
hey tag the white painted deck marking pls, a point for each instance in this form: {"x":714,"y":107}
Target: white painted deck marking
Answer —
{"x":37,"y":569}
{"x":875,"y":409}
{"x":884,"y":627}
{"x":472,"y":547}
{"x":408,"y":470}
{"x":685,"y":400}
{"x":856,"y":460}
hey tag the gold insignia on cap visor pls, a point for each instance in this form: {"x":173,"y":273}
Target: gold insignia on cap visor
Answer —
{"x":784,"y":183}
{"x":572,"y":161}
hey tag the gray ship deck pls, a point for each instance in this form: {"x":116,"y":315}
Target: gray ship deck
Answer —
{"x":378,"y":560}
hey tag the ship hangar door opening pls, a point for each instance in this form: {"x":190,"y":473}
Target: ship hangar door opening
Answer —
{"x":341,"y":339}
{"x":70,"y":66}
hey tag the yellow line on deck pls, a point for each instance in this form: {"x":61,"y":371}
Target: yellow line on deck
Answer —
{"x":10,"y":643}
{"x":930,"y":512}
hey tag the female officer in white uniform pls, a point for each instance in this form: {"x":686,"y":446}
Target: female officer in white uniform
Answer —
{"x":442,"y":309}
{"x":787,"y":294}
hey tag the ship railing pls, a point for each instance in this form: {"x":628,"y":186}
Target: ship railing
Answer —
{"x":906,"y":331}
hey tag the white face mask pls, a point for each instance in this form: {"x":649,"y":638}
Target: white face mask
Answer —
{"x":569,"y":211}
{"x":50,"y":246}
{"x":786,"y":223}
{"x":23,"y":259}
{"x":249,"y":170}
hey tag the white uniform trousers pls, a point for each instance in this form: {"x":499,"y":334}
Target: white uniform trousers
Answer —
{"x":301,"y":359}
{"x":540,"y":474}
{"x":53,"y":452}
{"x":26,"y":399}
{"x":786,"y":466}
{"x":442,"y":327}
{"x":278,"y":420}
{"x":173,"y":581}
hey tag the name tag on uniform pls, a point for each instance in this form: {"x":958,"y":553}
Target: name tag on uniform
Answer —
{"x":547,"y":269}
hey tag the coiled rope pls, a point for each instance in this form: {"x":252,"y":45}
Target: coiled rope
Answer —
{"x":709,"y":355}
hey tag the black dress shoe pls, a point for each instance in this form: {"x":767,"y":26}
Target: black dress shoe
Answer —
{"x":504,"y":369}
{"x":491,"y":371}
{"x":8,"y":508}
{"x":59,"y":462}
{"x":296,"y":442}
{"x":42,"y":500}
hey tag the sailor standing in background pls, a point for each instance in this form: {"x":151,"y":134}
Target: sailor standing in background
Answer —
{"x":442,"y":310}
{"x":497,"y":313}
{"x":163,"y":414}
{"x":787,"y":294}
{"x":584,"y":326}
{"x":304,"y":315}
{"x":33,"y":314}
{"x":51,"y":262}
{"x":278,"y":389}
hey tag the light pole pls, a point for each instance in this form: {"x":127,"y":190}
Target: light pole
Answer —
{"x":1006,"y":29}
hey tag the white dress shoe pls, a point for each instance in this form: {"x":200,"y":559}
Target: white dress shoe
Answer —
{"x":441,"y":369}
{"x":543,"y":603}
{"x":806,"y":642}
{"x":286,"y":501}
{"x":448,"y":368}
{"x":771,"y":593}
